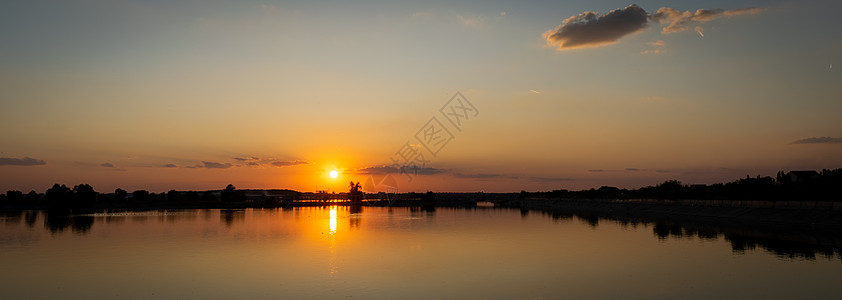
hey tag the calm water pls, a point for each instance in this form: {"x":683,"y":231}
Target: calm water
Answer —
{"x":386,"y":253}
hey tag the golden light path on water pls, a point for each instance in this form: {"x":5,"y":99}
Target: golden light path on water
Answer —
{"x":332,"y":260}
{"x":333,"y":220}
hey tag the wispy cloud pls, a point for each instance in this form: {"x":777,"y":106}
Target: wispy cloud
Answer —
{"x":107,"y":165}
{"x":743,"y":11}
{"x":591,"y":29}
{"x":378,"y":170}
{"x":289,"y":163}
{"x":252,"y":158}
{"x":170,"y":166}
{"x":658,"y":47}
{"x":216,"y":165}
{"x":623,"y":170}
{"x":678,"y":21}
{"x":26,"y":161}
{"x":818,"y":140}
{"x":473,"y":22}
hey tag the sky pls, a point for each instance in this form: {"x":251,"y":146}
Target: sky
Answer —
{"x":458,"y":96}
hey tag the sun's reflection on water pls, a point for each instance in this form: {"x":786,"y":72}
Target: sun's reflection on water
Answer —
{"x":333,"y":220}
{"x":332,"y":256}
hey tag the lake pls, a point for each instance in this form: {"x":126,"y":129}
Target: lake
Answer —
{"x":341,"y":252}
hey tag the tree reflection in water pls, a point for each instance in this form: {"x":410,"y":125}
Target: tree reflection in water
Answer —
{"x":788,"y":242}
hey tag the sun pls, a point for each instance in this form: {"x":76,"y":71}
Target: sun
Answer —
{"x":334,"y":174}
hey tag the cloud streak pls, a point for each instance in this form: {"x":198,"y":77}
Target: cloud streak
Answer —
{"x":678,"y":21}
{"x":26,"y":161}
{"x":819,"y":140}
{"x":382,"y":170}
{"x":590,"y":29}
{"x":216,"y":165}
{"x":289,"y":163}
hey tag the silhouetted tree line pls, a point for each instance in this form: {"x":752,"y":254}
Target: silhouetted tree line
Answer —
{"x":83,"y":199}
{"x":796,"y":185}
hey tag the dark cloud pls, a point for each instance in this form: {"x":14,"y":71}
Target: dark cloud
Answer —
{"x":818,"y":140}
{"x":289,"y":163}
{"x":252,"y":158}
{"x":425,"y":171}
{"x":26,"y":161}
{"x":589,"y":29}
{"x":170,"y":166}
{"x":375,"y":170}
{"x":378,"y":170}
{"x":623,"y":170}
{"x":216,"y":165}
{"x":107,"y":165}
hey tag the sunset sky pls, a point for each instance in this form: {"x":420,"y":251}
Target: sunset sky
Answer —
{"x":194,"y":95}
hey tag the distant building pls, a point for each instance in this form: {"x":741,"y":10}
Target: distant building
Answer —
{"x":802,"y":176}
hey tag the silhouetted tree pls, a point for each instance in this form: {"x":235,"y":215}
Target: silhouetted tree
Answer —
{"x":14,"y":197}
{"x":58,"y":197}
{"x":355,"y":192}
{"x":84,"y":198}
{"x":230,"y":194}
{"x":174,"y":196}
{"x":670,"y":189}
{"x":32,"y":198}
{"x":120,"y":194}
{"x":140,"y":196}
{"x":429,"y":197}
